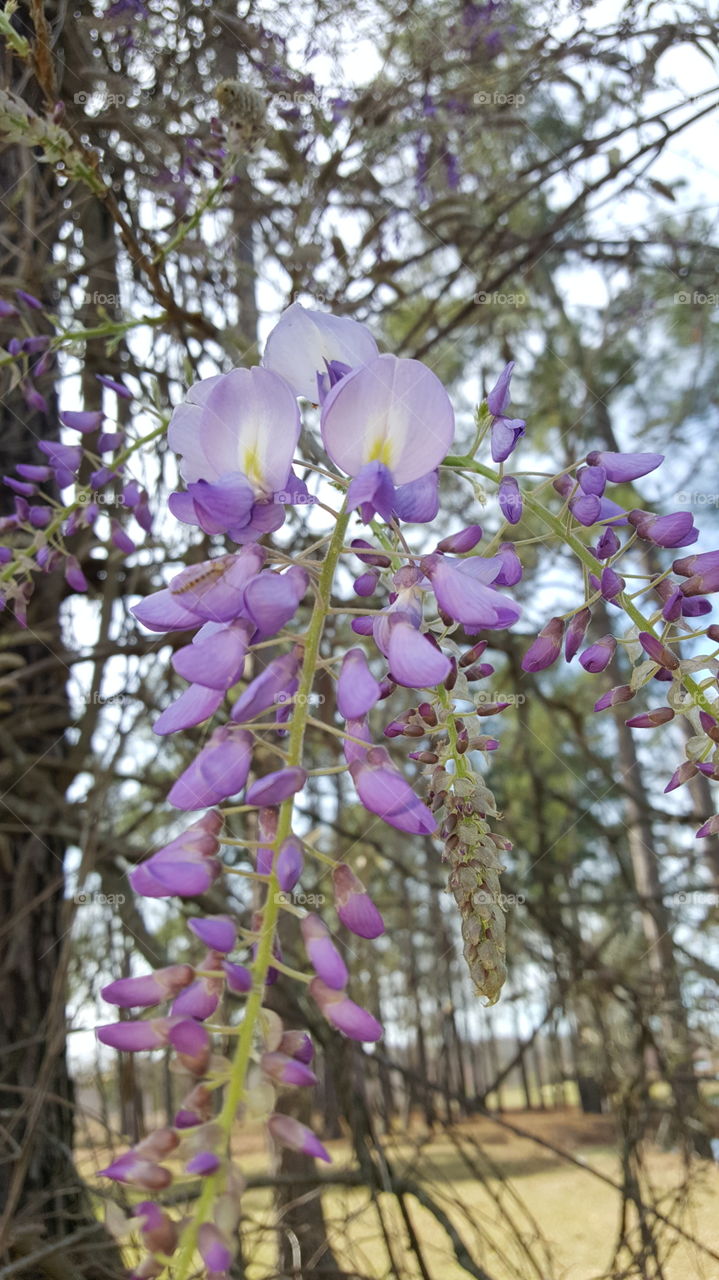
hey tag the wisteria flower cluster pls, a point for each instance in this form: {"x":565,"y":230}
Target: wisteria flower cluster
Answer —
{"x":423,"y":616}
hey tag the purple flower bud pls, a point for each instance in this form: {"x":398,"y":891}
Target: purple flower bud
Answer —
{"x":239,"y":978}
{"x":287,"y":1070}
{"x":695,"y":608}
{"x":675,"y":530}
{"x":368,"y":555}
{"x":112,"y":385}
{"x":366,"y":584}
{"x":547,"y":647}
{"x":505,"y":434}
{"x":219,"y":771}
{"x":290,"y":1133}
{"x":343,"y":1014}
{"x":586,"y":508}
{"x":622,"y":467}
{"x":30,"y":472}
{"x":217,"y":932}
{"x":322,"y":953}
{"x":510,"y":572}
{"x":7,"y":310}
{"x":576,"y":632}
{"x":120,"y":539}
{"x":362,"y":626}
{"x":74,"y":575}
{"x":384,"y":791}
{"x":598,"y":656}
{"x":33,"y":399}
{"x":133,"y":1037}
{"x":192,"y":1043}
{"x":414,"y":657}
{"x":268,"y":688}
{"x":681,"y":775}
{"x":19,"y":486}
{"x":159,"y":1232}
{"x":289,"y":864}
{"x":621,"y":693}
{"x":611,"y":584}
{"x":608,"y":544}
{"x":150,"y":989}
{"x":199,"y":1000}
{"x":137,"y":1172}
{"x":354,"y":906}
{"x":650,"y":719}
{"x":510,"y":499}
{"x":357,"y":689}
{"x":705,"y":576}
{"x":29,"y":299}
{"x":214,"y":1248}
{"x":459,"y":543}
{"x":85,"y":420}
{"x":276,"y":787}
{"x":297,"y":1044}
{"x":710,"y":828}
{"x":592,"y":480}
{"x":657,"y":651}
{"x":204,"y":1163}
{"x":186,"y":867}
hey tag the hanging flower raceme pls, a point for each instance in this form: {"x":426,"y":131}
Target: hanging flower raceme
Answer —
{"x":252,"y":639}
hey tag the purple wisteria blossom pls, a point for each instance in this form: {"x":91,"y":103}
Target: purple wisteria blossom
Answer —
{"x":311,"y":350}
{"x":236,"y":434}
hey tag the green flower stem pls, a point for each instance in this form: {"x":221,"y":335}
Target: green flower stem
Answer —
{"x":576,"y":545}
{"x":264,"y":959}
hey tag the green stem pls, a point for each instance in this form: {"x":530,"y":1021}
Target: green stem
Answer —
{"x":263,"y":958}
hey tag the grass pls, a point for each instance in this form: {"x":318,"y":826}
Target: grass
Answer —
{"x":521,"y":1210}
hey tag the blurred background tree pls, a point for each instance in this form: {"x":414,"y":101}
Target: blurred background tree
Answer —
{"x":479,"y":182}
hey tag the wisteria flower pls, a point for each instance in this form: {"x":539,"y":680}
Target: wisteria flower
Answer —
{"x":236,"y":433}
{"x":312,"y":349}
{"x":388,"y":424}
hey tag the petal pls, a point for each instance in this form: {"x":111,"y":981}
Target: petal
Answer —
{"x":192,"y":707}
{"x":418,"y":501}
{"x":216,"y":662}
{"x":303,"y":342}
{"x":357,"y":689}
{"x":163,"y":612}
{"x":272,"y":599}
{"x":392,"y":410}
{"x":251,"y":423}
{"x":413,"y":660}
{"x":276,"y":787}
